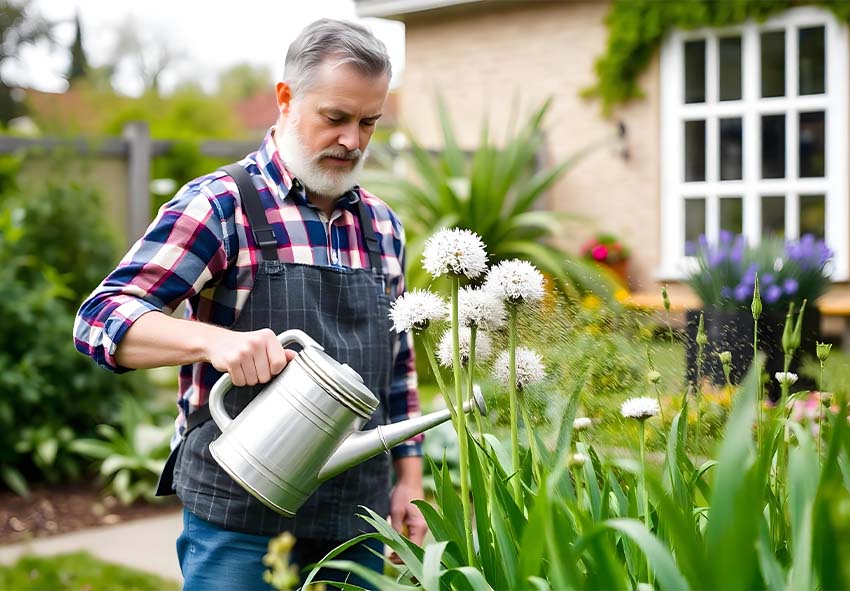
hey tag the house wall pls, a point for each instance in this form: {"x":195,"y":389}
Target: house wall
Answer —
{"x":480,"y":61}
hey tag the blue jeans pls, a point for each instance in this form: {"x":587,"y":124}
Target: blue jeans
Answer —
{"x":213,"y":558}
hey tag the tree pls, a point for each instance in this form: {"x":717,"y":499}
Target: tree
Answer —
{"x":146,"y":57}
{"x":17,"y":28}
{"x":79,"y":64}
{"x":243,"y":81}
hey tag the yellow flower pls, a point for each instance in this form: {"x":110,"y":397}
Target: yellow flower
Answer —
{"x":591,"y":302}
{"x":621,"y":295}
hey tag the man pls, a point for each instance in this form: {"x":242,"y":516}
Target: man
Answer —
{"x":322,"y":255}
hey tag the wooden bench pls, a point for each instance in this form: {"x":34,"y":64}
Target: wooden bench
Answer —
{"x":833,"y":304}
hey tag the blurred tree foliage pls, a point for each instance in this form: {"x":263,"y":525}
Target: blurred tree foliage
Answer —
{"x":55,"y":247}
{"x":19,"y":27}
{"x":636,"y":28}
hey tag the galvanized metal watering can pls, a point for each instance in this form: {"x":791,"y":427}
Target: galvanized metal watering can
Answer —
{"x":304,"y":427}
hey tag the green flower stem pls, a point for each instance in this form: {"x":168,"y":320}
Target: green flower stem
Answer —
{"x":820,"y":412}
{"x":579,"y":484}
{"x":660,"y":406}
{"x":760,"y":396}
{"x":532,"y":444}
{"x":698,"y":430}
{"x":644,"y":496}
{"x":435,"y":368}
{"x":512,"y":344}
{"x":461,"y":425}
{"x":473,"y":332}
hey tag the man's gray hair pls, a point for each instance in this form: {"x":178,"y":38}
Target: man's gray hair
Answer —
{"x":343,"y":41}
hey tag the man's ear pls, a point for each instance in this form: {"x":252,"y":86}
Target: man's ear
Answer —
{"x":284,"y":97}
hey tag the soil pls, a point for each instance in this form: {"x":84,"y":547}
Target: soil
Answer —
{"x":59,"y":509}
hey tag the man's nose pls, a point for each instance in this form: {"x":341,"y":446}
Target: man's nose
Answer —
{"x":349,"y":137}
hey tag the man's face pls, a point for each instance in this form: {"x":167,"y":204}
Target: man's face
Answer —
{"x":326,"y":130}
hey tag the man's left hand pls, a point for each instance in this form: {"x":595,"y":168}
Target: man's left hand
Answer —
{"x":406,"y":517}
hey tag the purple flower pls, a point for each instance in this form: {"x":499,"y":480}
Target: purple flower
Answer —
{"x":750,"y":275}
{"x":715,"y":256}
{"x":790,"y":286}
{"x":725,"y":237}
{"x":772,"y":294}
{"x":726,"y":292}
{"x":743,"y":292}
{"x":766,"y":279}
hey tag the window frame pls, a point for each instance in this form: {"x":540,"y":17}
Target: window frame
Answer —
{"x":674,"y":111}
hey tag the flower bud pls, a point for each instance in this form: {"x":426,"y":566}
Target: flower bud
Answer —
{"x":702,"y":338}
{"x":665,"y":298}
{"x":577,"y":460}
{"x":798,"y":328}
{"x":581,"y":424}
{"x":756,"y":306}
{"x":653,"y":376}
{"x":788,"y":332}
{"x":823,"y":350}
{"x":725,"y":357}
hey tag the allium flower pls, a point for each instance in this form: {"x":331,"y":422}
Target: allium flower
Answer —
{"x":640,"y":408}
{"x":823,"y":350}
{"x":515,"y":281}
{"x":482,"y":347}
{"x":480,"y":308}
{"x":455,"y":252}
{"x":786,"y":378}
{"x":582,"y":424}
{"x":529,"y":368}
{"x":577,"y":460}
{"x":416,"y":309}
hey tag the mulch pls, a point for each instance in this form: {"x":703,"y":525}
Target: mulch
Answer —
{"x":58,"y":509}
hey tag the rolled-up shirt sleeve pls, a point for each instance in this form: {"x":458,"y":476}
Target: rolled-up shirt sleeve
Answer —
{"x":182,"y":250}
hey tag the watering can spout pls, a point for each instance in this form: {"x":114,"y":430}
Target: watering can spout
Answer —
{"x":362,"y":445}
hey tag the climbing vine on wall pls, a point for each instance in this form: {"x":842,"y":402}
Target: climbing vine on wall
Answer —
{"x":636,"y":28}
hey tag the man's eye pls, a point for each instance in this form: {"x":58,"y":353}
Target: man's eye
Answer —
{"x":335,"y":119}
{"x":368,"y":123}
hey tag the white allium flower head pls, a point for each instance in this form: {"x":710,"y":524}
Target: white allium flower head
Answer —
{"x":480,"y":308}
{"x":456,"y":252}
{"x":577,"y":460}
{"x":640,"y":408}
{"x":416,"y":309}
{"x":786,"y":378}
{"x":515,"y":281}
{"x":529,"y":368}
{"x":582,"y":424}
{"x":483,"y":347}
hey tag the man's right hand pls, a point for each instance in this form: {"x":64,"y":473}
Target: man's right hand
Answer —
{"x":249,"y":357}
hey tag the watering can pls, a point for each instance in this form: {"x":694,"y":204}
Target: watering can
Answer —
{"x":304,"y":427}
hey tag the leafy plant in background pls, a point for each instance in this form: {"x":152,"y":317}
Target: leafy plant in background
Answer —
{"x":53,"y":250}
{"x":499,"y":189}
{"x":131,"y":457}
{"x":791,"y":271}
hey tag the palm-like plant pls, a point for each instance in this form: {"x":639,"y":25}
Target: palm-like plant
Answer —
{"x":494,"y":191}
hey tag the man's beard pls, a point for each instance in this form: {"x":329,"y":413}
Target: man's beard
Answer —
{"x":319,"y":180}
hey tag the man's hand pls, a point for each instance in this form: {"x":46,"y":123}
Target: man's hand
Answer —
{"x":405,"y":517}
{"x":249,"y":357}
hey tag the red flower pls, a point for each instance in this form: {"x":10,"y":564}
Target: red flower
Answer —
{"x":599,"y":252}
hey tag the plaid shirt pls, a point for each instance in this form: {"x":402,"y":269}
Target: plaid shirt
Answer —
{"x":200,"y":250}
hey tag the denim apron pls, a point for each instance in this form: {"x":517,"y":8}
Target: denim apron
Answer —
{"x":347,"y":312}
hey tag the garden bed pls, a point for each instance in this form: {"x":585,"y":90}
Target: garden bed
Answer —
{"x":59,"y":509}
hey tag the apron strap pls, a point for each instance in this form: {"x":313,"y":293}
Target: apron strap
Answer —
{"x":254,"y":211}
{"x":369,"y":236}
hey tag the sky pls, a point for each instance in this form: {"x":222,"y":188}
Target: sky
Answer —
{"x":210,"y":35}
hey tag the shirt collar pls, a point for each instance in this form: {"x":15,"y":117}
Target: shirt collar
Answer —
{"x":271,"y":165}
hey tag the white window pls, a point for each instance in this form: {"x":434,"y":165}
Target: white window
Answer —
{"x":754,"y":134}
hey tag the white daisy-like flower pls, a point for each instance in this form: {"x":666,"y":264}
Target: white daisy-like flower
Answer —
{"x":640,"y":408}
{"x":784,"y":378}
{"x":529,"y":368}
{"x":416,"y":309}
{"x":483,"y":347}
{"x":515,"y":281}
{"x":480,"y":308}
{"x":582,"y":424}
{"x":456,"y":252}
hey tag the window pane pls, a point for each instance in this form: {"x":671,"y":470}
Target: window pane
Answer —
{"x":812,"y":61}
{"x":812,"y":144}
{"x":732,"y":214}
{"x":773,"y":146}
{"x":773,"y":216}
{"x":730,"y":68}
{"x":694,"y":151}
{"x":695,"y":71}
{"x":773,"y":63}
{"x":731,"y":149}
{"x":813,"y":215}
{"x":694,"y":224}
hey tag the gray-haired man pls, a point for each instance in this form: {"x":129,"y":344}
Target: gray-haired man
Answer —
{"x":324,"y":256}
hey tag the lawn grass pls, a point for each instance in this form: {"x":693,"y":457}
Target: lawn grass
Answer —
{"x":76,"y":571}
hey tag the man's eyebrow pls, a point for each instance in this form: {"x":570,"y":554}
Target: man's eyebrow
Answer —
{"x":339,"y":113}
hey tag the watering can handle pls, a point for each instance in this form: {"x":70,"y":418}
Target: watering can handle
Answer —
{"x":224,"y":383}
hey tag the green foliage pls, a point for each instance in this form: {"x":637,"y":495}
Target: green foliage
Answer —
{"x":496,"y":191}
{"x":79,"y":570}
{"x":53,"y":251}
{"x":636,"y":28}
{"x":131,"y":458}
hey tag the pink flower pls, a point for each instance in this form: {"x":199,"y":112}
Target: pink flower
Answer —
{"x":599,"y":252}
